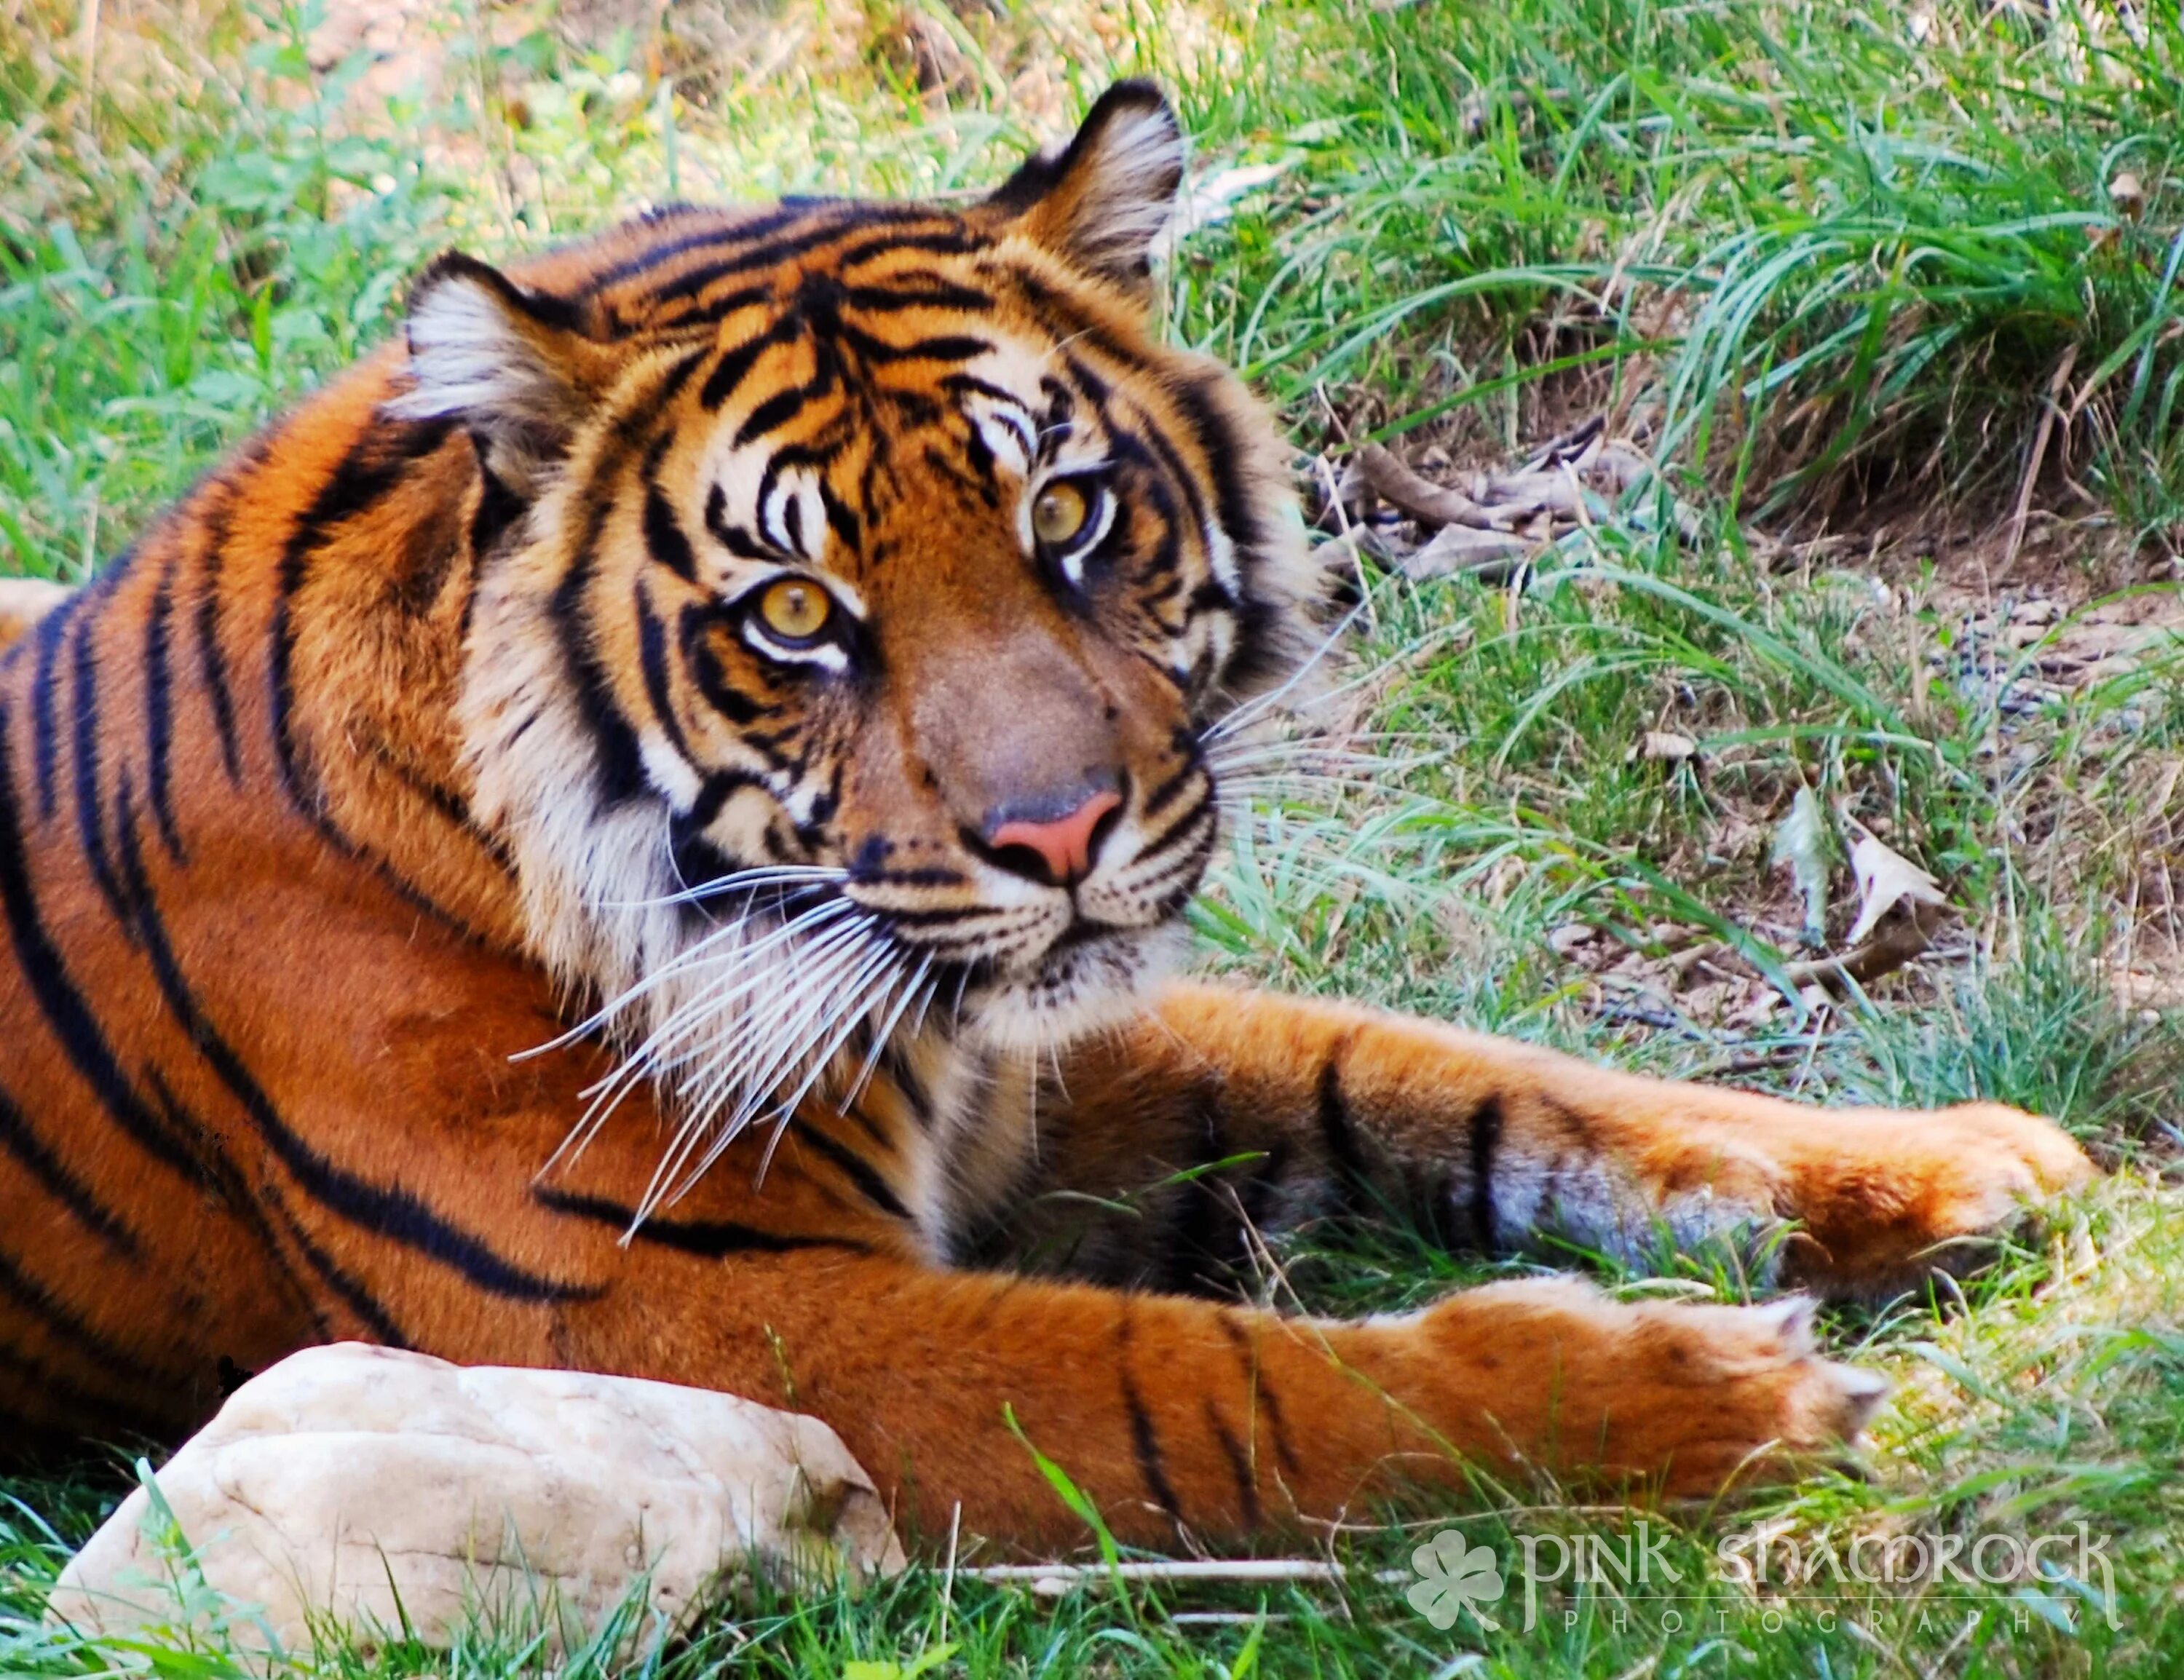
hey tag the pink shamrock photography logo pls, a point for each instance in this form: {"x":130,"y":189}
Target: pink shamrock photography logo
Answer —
{"x":1455,"y":1576}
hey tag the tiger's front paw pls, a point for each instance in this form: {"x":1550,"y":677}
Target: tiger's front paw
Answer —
{"x":1887,"y":1200}
{"x":1689,"y":1400}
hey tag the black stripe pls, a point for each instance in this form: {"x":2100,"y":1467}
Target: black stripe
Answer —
{"x":385,"y":1211}
{"x":1485,"y":1138}
{"x":861,"y":1041}
{"x":714,"y":309}
{"x":932,"y":293}
{"x":620,"y":775}
{"x":1064,"y":317}
{"x":943,"y":916}
{"x":1238,"y":513}
{"x":954,"y":347}
{"x":734,"y":539}
{"x":1163,"y":446}
{"x":90,"y":821}
{"x":67,"y":1326}
{"x":713,"y":233}
{"x":694,"y":634}
{"x":379,"y":459}
{"x":909,"y":1085}
{"x":238,"y":1197}
{"x":83,"y":1411}
{"x":664,"y":538}
{"x":1335,"y":1130}
{"x":376,"y":462}
{"x":841,"y":518}
{"x":696,"y":859}
{"x":1239,"y":1467}
{"x":652,"y":656}
{"x":159,"y":711}
{"x":32,"y":1155}
{"x":853,"y":1167}
{"x":952,"y":240}
{"x":1196,"y":1249}
{"x":783,"y":406}
{"x":1162,"y":796}
{"x":68,"y":1015}
{"x":352,"y":1295}
{"x":707,"y":1238}
{"x":499,"y":507}
{"x":735,"y":365}
{"x":1144,"y":1439}
{"x":1235,"y":507}
{"x":1180,"y":832}
{"x":772,"y":254}
{"x":678,"y":375}
{"x":1211,"y":596}
{"x":1263,"y":1396}
{"x":212,"y":658}
{"x":45,"y":684}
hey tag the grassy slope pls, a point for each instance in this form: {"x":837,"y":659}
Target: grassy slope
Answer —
{"x":1824,"y":261}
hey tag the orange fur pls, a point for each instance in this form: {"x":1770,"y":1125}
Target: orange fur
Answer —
{"x":361,"y":779}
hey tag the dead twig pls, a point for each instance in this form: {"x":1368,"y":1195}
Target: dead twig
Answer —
{"x":2023,"y":510}
{"x":1902,"y":939}
{"x":1396,"y":484}
{"x":1055,"y":1578}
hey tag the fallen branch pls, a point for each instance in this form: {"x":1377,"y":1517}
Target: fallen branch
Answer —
{"x":1053,"y":1579}
{"x":1423,"y":499}
{"x":1903,"y":939}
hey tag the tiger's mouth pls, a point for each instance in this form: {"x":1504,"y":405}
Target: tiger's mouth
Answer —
{"x":1092,"y":974}
{"x":1046,"y":989}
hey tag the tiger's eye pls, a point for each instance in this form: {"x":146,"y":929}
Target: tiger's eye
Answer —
{"x":794,"y":609}
{"x":1059,"y":513}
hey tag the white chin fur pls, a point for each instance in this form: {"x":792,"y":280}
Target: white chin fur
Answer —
{"x":1096,"y":986}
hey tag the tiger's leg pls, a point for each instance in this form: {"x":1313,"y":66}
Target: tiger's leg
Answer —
{"x":24,"y":601}
{"x":1502,"y":1146}
{"x":1219,"y":1421}
{"x":1176,"y":1415}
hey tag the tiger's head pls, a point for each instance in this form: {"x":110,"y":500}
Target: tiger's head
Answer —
{"x":865,"y":581}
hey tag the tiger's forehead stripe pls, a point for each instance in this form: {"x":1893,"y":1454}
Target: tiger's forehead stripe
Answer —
{"x":721,"y":278}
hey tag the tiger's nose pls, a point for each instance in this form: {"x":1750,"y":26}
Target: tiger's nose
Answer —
{"x":1028,"y":837}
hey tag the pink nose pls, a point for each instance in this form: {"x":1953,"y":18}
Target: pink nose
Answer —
{"x":1063,"y":845}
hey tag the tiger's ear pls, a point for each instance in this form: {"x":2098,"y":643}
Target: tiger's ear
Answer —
{"x":513,"y":365}
{"x":1102,"y":200}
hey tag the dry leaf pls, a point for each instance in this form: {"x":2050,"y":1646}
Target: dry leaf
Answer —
{"x":1885,"y":878}
{"x":1566,"y":941}
{"x":1459,"y":549}
{"x":1801,"y":841}
{"x":1213,"y":199}
{"x":1666,"y":745}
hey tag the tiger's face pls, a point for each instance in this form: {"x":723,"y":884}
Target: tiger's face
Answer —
{"x":872,"y":577}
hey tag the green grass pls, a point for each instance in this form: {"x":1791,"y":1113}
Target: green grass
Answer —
{"x":1837,"y":272}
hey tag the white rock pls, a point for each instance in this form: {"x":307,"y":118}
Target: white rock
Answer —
{"x":24,"y":601}
{"x":346,"y":1476}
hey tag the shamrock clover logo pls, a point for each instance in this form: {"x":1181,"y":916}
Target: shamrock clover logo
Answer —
{"x":1455,"y":1577}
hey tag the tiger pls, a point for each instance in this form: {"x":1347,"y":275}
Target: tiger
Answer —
{"x":646,"y":827}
